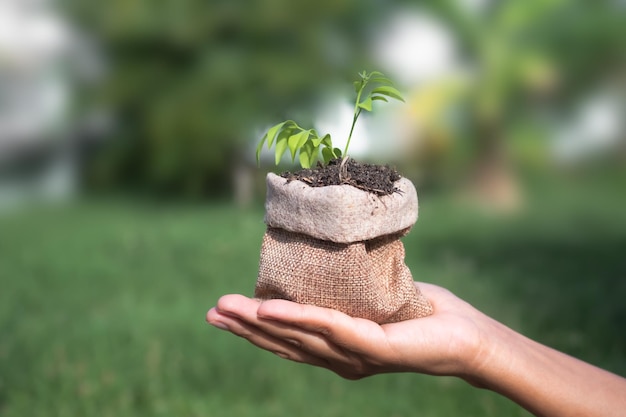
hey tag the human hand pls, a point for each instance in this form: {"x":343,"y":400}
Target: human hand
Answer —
{"x":455,"y":340}
{"x":449,"y":342}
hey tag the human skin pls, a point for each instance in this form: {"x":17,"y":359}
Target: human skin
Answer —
{"x":456,"y":340}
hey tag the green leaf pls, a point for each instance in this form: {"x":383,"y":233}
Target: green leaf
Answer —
{"x":282,"y":140}
{"x":382,"y":80}
{"x":297,"y":141}
{"x":366,"y":104}
{"x":259,"y":147}
{"x":305,"y":159}
{"x":316,"y":141}
{"x":327,"y":154}
{"x":388,"y":91}
{"x":269,"y":137}
{"x":308,"y":155}
{"x":281,"y":147}
{"x":357,"y":86}
{"x":380,"y":98}
{"x":326,"y":141}
{"x":337,"y":152}
{"x":301,"y":142}
{"x":271,"y":134}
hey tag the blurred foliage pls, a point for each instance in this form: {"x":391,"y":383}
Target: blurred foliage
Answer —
{"x":527,"y":65}
{"x":189,"y":80}
{"x":526,"y":54}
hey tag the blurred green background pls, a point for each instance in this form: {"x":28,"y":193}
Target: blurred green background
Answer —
{"x":130,"y":199}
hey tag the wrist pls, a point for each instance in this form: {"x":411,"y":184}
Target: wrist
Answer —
{"x":490,"y":353}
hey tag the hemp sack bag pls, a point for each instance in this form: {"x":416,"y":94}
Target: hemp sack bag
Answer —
{"x":339,"y":247}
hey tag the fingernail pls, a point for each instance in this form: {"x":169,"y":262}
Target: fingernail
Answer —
{"x":282,"y":355}
{"x":220,"y":325}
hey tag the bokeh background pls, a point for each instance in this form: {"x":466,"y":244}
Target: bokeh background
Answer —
{"x":130,"y":198}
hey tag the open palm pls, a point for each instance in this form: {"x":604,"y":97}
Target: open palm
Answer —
{"x":445,"y":343}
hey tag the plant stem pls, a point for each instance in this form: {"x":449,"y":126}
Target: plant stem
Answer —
{"x":356,"y":116}
{"x":357,"y":113}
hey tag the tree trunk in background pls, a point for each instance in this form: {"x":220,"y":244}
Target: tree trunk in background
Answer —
{"x":494,"y":185}
{"x":243,"y":183}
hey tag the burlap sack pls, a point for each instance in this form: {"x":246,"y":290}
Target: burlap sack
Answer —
{"x":339,"y":247}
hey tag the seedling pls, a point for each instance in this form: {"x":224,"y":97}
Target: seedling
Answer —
{"x":306,"y":143}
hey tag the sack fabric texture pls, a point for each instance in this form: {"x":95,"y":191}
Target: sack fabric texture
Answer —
{"x":339,"y":247}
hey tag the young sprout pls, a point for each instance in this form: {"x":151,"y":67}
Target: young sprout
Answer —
{"x":306,"y":143}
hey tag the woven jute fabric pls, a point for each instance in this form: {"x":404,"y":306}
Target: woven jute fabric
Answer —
{"x":366,"y":279}
{"x":339,"y":213}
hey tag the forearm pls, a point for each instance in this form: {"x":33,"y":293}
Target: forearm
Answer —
{"x":456,"y":340}
{"x":549,"y":383}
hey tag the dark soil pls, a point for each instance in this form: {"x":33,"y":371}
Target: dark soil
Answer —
{"x":376,"y":179}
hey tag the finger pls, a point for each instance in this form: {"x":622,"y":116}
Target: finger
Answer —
{"x":237,"y":305}
{"x":296,"y":343}
{"x":297,"y":349}
{"x":284,"y":324}
{"x":307,"y":317}
{"x":301,"y":346}
{"x":332,"y":324}
{"x":314,"y":343}
{"x":347,"y":333}
{"x":285,"y":348}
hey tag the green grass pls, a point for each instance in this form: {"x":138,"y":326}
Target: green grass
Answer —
{"x":102,"y":306}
